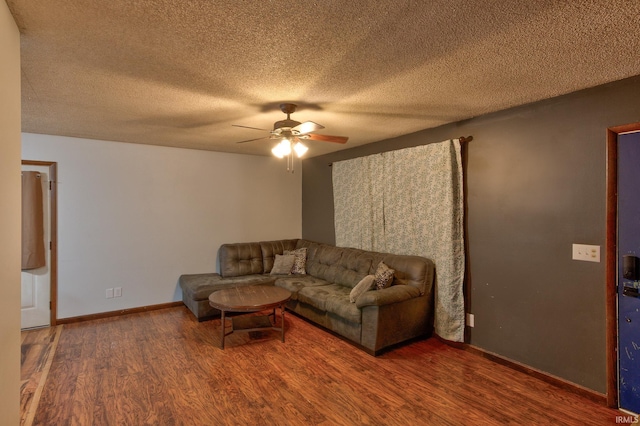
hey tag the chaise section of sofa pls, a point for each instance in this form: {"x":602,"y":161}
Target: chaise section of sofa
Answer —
{"x":197,"y":288}
{"x":241,"y":264}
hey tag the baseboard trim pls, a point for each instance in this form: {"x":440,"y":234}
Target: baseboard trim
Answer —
{"x":121,"y":312}
{"x":545,"y":377}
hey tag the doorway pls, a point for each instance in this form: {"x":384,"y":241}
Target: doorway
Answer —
{"x":39,"y":284}
{"x":629,"y":272}
{"x":618,"y":277}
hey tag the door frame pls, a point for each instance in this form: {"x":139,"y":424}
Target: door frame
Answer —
{"x":611,"y":265}
{"x":53,"y":194}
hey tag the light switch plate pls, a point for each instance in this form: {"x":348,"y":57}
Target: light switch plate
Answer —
{"x":470,"y":320}
{"x":586,"y":253}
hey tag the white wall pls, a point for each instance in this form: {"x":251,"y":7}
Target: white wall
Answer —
{"x":9,"y":218}
{"x":139,"y":216}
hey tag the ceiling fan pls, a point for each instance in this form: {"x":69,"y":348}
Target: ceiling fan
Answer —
{"x":293,"y":131}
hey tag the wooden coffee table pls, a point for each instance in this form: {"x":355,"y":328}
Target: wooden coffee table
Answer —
{"x":250,"y":299}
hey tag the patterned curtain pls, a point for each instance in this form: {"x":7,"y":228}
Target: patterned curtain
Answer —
{"x":409,"y":201}
{"x":358,"y":206}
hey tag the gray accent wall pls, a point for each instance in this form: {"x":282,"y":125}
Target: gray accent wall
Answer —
{"x":535,"y":184}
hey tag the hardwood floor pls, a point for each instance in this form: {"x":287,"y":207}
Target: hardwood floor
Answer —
{"x":165,"y":368}
{"x":37,"y":350}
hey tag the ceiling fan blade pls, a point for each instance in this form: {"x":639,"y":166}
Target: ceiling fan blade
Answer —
{"x":327,"y":138}
{"x":256,"y":139}
{"x":247,"y":127}
{"x":307,"y":127}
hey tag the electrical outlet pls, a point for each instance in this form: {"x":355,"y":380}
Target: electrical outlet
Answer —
{"x":109,"y":293}
{"x":586,"y":253}
{"x":117,"y":292}
{"x":470,"y":320}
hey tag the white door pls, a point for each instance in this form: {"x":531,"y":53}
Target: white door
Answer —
{"x":36,"y":283}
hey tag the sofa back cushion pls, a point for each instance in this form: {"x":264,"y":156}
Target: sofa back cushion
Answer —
{"x":240,"y":259}
{"x":347,"y":266}
{"x":271,"y":248}
{"x":344,"y":266}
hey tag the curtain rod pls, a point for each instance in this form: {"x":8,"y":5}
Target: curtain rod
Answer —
{"x":462,"y":139}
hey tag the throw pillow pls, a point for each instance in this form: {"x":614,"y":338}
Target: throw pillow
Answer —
{"x":383,"y":276}
{"x":283,"y":264}
{"x":365,"y":284}
{"x":299,"y":267}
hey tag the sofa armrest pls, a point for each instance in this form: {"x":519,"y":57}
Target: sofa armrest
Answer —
{"x":387,"y":296}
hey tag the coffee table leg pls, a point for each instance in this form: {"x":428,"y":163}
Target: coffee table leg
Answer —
{"x":282,"y":321}
{"x":223,"y":330}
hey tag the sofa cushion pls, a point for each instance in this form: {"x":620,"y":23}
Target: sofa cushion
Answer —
{"x":339,"y":304}
{"x":345,"y":266}
{"x":283,"y":264}
{"x":254,"y":279}
{"x":200,"y":286}
{"x":323,"y":263}
{"x":383,"y":276}
{"x":271,"y":248}
{"x":332,"y":298}
{"x":364,"y":285}
{"x":294,"y":283}
{"x":352,"y":267}
{"x":315,"y":296}
{"x":240,"y":259}
{"x":300,"y":264}
{"x":311,"y":247}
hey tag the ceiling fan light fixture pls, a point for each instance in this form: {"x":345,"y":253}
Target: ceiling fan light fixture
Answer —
{"x":277,"y":151}
{"x":300,"y":149}
{"x":282,"y":149}
{"x":289,"y":132}
{"x":285,"y":146}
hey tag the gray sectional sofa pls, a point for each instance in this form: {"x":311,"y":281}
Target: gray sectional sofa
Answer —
{"x":378,"y":318}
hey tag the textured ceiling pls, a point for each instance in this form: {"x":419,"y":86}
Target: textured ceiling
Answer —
{"x":180,"y":73}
